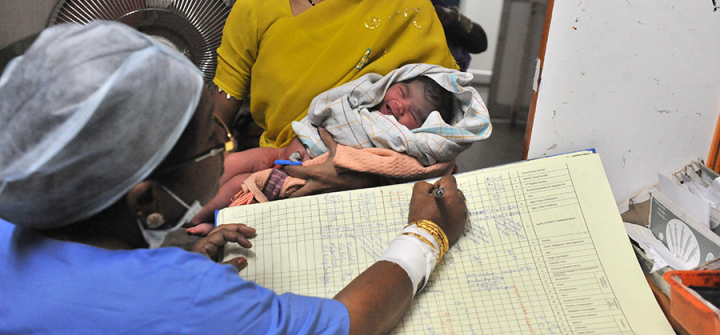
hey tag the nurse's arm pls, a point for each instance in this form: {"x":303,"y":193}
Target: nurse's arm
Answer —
{"x":377,"y":299}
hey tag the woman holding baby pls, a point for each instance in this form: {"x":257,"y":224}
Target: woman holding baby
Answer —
{"x":288,"y":52}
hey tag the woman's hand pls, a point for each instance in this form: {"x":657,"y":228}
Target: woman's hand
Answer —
{"x":212,"y":244}
{"x":448,"y":211}
{"x":325,"y":177}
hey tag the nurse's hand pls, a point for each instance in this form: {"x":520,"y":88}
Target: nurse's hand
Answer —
{"x":325,"y":177}
{"x":377,"y":299}
{"x":448,"y":211}
{"x":211,"y":245}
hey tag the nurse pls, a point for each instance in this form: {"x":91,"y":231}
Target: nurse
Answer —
{"x":108,"y":142}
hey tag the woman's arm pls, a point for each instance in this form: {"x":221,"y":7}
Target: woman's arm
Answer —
{"x":377,"y":299}
{"x":325,"y":177}
{"x":237,"y":54}
{"x":226,"y":107}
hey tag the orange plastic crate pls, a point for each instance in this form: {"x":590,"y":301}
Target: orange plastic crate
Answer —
{"x":693,"y":312}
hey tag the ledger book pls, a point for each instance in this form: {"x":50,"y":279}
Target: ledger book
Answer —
{"x":544,"y":252}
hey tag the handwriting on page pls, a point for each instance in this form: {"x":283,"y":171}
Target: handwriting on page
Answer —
{"x":526,"y":262}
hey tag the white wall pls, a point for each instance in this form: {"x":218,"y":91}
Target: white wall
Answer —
{"x":639,"y":81}
{"x":487,"y":13}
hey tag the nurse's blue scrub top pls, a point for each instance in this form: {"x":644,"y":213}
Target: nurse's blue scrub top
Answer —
{"x":50,"y":286}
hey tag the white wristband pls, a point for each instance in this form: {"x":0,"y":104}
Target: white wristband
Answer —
{"x":416,"y":257}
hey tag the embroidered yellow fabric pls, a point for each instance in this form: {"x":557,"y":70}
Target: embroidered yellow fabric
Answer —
{"x":283,"y":62}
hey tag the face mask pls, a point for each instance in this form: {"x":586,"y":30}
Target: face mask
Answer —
{"x":156,"y":236}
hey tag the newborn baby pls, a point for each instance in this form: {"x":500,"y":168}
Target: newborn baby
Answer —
{"x":409,"y":102}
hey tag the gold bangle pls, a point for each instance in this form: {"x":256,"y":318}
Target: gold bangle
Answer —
{"x":422,"y":238}
{"x":433,"y":229}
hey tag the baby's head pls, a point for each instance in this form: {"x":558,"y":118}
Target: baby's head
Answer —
{"x":412,"y":100}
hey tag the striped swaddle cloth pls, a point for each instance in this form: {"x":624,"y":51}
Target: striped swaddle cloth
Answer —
{"x":343,"y":111}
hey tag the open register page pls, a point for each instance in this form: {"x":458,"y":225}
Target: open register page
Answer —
{"x":544,"y":252}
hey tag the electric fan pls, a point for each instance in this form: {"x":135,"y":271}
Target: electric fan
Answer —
{"x":193,"y":27}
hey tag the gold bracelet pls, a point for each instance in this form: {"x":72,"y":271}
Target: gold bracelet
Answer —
{"x":433,"y":229}
{"x":422,"y":238}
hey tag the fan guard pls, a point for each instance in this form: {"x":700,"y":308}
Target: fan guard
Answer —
{"x":193,"y":27}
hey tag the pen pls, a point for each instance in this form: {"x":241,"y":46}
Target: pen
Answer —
{"x":287,"y":162}
{"x":439,"y":192}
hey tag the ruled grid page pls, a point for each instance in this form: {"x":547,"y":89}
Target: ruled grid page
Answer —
{"x":544,"y":252}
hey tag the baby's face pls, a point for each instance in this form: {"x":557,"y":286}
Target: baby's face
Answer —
{"x":407,"y":103}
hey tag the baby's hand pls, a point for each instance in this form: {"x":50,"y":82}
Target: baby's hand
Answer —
{"x":295,"y":152}
{"x":204,"y":221}
{"x":295,"y":147}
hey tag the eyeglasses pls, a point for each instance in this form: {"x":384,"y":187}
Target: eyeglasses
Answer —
{"x":228,"y":146}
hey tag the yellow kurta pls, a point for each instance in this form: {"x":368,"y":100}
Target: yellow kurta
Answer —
{"x":286,"y":61}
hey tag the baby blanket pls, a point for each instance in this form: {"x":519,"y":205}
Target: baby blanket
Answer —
{"x":343,"y":111}
{"x":392,"y":166}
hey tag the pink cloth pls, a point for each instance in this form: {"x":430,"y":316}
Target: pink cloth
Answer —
{"x":395,"y":167}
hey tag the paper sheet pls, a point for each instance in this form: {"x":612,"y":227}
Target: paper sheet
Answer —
{"x":654,"y":248}
{"x":544,"y":252}
{"x":692,"y":204}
